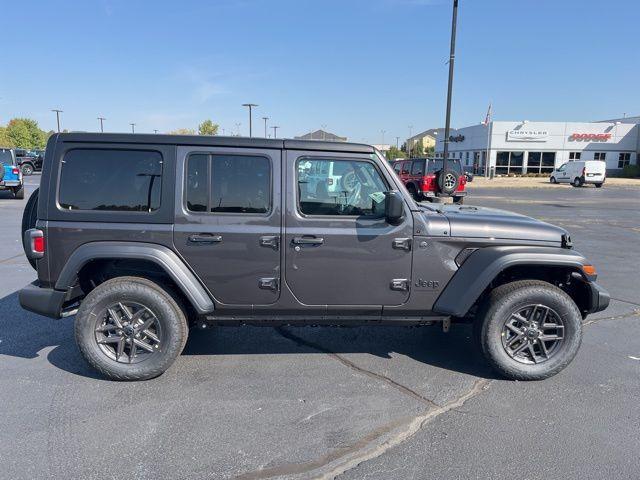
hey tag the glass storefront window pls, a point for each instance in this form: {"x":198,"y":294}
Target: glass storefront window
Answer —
{"x":509,"y":162}
{"x":541,"y":162}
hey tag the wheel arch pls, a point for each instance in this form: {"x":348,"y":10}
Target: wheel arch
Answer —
{"x":490,"y":267}
{"x":101,"y":256}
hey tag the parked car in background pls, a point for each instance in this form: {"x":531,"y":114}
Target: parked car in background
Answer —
{"x":580,"y":172}
{"x":10,"y":174}
{"x":29,"y":161}
{"x":425,"y":179}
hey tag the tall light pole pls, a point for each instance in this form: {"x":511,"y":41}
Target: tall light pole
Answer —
{"x":133,"y":127}
{"x":265,"y":126}
{"x":250,"y":106}
{"x":452,"y":56}
{"x":409,"y":147}
{"x":324,"y":131}
{"x":155,"y":131}
{"x":275,"y":131}
{"x":238,"y":128}
{"x":58,"y":112}
{"x":102,"y":119}
{"x":397,"y":142}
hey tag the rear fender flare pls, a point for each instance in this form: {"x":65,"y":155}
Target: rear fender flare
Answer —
{"x":158,"y":254}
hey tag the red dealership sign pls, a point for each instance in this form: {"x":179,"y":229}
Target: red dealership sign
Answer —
{"x":590,"y":136}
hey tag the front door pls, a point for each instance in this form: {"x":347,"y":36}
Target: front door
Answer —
{"x":339,"y":250}
{"x":228,"y":221}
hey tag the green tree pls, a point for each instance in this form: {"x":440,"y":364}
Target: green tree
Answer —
{"x":183,"y":131}
{"x":208,"y":128}
{"x":5,"y":139}
{"x":25,"y":133}
{"x":394,"y":153}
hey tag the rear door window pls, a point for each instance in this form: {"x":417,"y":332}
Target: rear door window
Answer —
{"x":111,"y":180}
{"x":228,"y":183}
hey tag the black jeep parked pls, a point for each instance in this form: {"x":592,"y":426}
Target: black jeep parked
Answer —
{"x":142,"y":236}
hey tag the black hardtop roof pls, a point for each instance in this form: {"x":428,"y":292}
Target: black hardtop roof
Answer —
{"x":213,"y":141}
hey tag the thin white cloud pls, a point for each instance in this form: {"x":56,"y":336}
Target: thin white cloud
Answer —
{"x":204,"y":85}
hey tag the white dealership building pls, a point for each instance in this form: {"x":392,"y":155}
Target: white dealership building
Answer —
{"x":539,"y":147}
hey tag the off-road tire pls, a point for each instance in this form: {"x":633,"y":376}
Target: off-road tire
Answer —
{"x":18,"y":192}
{"x":578,"y":182}
{"x":458,"y":200}
{"x":167,"y":309}
{"x":27,"y":169}
{"x":453,"y":184}
{"x":29,"y":218}
{"x":500,"y":305}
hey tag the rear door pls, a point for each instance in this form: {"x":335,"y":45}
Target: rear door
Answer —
{"x":228,"y":221}
{"x":339,"y":250}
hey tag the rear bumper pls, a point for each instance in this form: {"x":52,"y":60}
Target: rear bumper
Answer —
{"x":599,"y":298}
{"x":9,"y":183}
{"x":439,"y":194}
{"x":43,"y":301}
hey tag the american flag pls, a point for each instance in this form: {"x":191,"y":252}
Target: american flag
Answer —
{"x":487,"y":119}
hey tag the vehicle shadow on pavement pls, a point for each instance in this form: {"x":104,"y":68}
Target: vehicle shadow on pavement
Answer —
{"x":29,"y":336}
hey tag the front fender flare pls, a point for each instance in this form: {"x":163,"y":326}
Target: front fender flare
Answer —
{"x":479,"y":270}
{"x":158,"y":254}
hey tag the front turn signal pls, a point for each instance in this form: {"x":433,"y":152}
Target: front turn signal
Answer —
{"x":589,"y":270}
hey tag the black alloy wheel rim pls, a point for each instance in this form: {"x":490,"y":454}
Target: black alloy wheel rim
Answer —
{"x":128,"y":332}
{"x":533,"y":334}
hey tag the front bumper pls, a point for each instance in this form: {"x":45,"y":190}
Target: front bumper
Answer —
{"x":599,"y":298}
{"x":43,"y":301}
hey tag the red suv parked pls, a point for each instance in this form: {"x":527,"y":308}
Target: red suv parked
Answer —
{"x":424,"y":178}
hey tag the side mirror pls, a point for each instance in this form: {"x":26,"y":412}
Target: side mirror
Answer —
{"x":393,"y":207}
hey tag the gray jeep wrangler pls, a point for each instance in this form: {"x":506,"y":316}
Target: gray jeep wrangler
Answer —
{"x":142,"y":236}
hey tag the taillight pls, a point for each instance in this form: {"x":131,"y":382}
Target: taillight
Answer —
{"x":427,"y":180}
{"x":34,"y":238}
{"x":584,"y":171}
{"x":15,"y":171}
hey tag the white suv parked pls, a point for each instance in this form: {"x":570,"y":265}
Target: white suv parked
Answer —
{"x":580,"y":172}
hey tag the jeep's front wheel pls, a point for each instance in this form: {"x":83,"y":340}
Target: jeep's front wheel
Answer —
{"x":130,"y":328}
{"x":528,"y":330}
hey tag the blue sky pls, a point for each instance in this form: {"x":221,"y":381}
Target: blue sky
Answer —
{"x":357,"y":66}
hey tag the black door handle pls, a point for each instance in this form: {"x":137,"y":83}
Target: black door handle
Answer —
{"x":204,"y":238}
{"x":308,"y":240}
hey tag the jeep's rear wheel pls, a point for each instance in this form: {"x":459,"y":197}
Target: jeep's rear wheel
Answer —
{"x":528,"y":330}
{"x":130,"y":328}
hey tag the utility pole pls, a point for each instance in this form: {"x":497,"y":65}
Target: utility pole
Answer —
{"x":409,"y":146}
{"x":250,"y":106}
{"x":58,"y":112}
{"x":452,"y":57}
{"x":133,"y":127}
{"x":275,"y":131}
{"x":102,"y":119}
{"x":397,"y":142}
{"x":265,"y":126}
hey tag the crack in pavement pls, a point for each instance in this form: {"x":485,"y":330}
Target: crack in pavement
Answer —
{"x":5,"y":260}
{"x":634,"y":313}
{"x":347,"y":363}
{"x":625,"y":301}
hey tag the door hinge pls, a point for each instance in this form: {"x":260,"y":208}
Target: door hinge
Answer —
{"x":269,"y":283}
{"x":402,"y":244}
{"x":400,"y":284}
{"x":270,"y":241}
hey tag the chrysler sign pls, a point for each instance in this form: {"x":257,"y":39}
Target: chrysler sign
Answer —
{"x":523,"y":135}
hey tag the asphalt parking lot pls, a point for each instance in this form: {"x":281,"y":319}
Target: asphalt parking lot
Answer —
{"x":353,"y":403}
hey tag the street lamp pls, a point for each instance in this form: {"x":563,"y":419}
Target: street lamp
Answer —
{"x":397,"y":140}
{"x":324,"y":131}
{"x":58,"y":112}
{"x":275,"y":131}
{"x":409,"y":147}
{"x":250,"y":106}
{"x":155,"y":131}
{"x":452,"y":57}
{"x":102,"y":119}
{"x":238,"y":129}
{"x":133,"y":127}
{"x":265,"y":126}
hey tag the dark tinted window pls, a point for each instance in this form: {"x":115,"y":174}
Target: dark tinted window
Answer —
{"x":397,"y":166}
{"x":436,"y":166}
{"x":121,"y":180}
{"x":417,"y":167}
{"x":5,"y":157}
{"x":234,"y":183}
{"x":198,"y":183}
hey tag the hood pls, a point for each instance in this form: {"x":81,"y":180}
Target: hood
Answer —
{"x":482,"y":222}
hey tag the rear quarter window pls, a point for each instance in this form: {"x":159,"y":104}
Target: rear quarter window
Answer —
{"x":111,"y":180}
